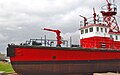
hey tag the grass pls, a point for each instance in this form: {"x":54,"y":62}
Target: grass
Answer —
{"x":6,"y":67}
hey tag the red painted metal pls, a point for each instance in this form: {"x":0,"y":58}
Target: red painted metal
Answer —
{"x":109,"y":8}
{"x":94,"y":15}
{"x":85,"y":20}
{"x":59,"y":42}
{"x":109,"y":17}
{"x":100,"y":42}
{"x":91,"y":25}
{"x":58,"y":61}
{"x":46,"y":54}
{"x":103,"y":49}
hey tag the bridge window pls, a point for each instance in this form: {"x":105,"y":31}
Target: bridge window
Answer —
{"x":86,"y":30}
{"x":97,"y":29}
{"x":105,"y":30}
{"x":91,"y":29}
{"x":111,"y":36}
{"x":82,"y":31}
{"x":101,"y":29}
{"x":116,"y":37}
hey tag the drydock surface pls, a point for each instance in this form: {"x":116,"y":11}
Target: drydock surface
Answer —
{"x":71,"y":74}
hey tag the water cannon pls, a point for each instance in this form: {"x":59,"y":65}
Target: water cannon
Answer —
{"x":85,"y":19}
{"x":59,"y":42}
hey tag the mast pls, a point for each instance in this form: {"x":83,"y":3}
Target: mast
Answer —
{"x":94,"y":15}
{"x":85,"y":19}
{"x":109,"y":12}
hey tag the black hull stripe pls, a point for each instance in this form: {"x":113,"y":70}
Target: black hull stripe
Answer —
{"x":65,"y":62}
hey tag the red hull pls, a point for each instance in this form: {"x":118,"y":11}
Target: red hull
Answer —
{"x":99,"y":52}
{"x":74,"y":60}
{"x":28,"y":53}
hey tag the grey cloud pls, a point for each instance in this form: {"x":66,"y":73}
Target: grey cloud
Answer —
{"x":3,"y":38}
{"x":21,"y":20}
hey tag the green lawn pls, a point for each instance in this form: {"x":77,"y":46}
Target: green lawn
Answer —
{"x":6,"y":67}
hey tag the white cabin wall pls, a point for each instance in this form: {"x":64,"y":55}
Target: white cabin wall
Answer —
{"x":114,"y":37}
{"x":95,"y":32}
{"x":102,"y":34}
{"x":87,"y":35}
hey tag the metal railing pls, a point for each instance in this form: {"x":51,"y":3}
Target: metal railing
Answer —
{"x":44,"y":42}
{"x":90,"y":20}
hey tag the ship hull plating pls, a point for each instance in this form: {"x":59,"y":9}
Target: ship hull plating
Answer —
{"x":64,"y":68}
{"x":36,"y":60}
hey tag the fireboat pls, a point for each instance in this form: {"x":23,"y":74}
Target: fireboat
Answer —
{"x":98,"y":52}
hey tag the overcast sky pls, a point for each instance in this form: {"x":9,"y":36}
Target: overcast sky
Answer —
{"x":21,"y":20}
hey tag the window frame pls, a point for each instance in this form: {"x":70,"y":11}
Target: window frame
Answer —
{"x":105,"y":30}
{"x":97,"y":28}
{"x":91,"y":29}
{"x":111,"y":36}
{"x":86,"y":30}
{"x":82,"y":31}
{"x":101,"y":29}
{"x":116,"y":37}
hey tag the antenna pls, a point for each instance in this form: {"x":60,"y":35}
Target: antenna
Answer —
{"x":109,"y":16}
{"x":107,"y":1}
{"x":94,"y":15}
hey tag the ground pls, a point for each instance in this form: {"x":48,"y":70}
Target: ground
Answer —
{"x":6,"y":67}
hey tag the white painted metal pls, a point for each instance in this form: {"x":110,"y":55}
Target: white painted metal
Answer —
{"x":99,"y":33}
